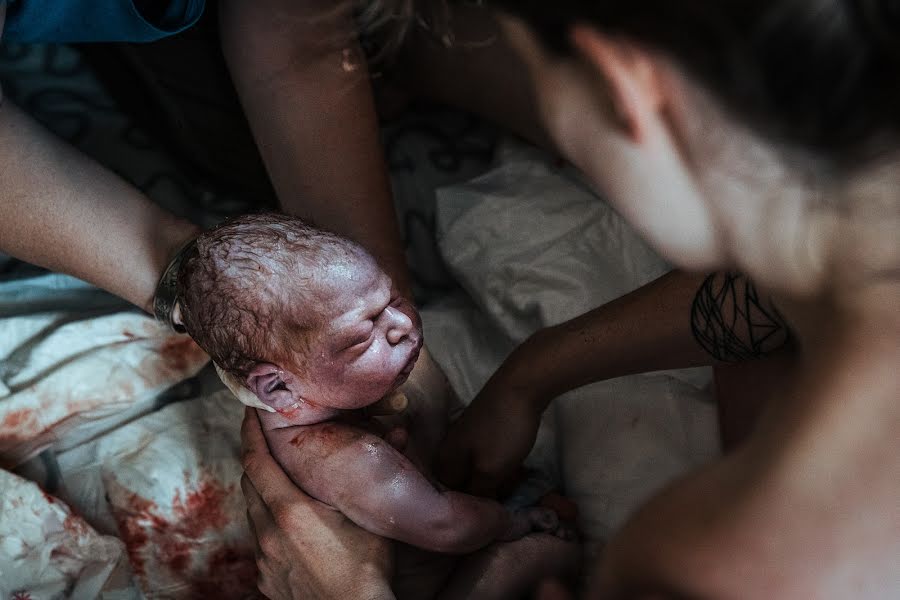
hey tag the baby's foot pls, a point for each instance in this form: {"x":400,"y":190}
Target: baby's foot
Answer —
{"x":528,"y":520}
{"x":566,"y":532}
{"x":543,"y":519}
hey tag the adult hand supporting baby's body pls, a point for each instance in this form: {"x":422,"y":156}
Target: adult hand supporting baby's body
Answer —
{"x":306,"y":549}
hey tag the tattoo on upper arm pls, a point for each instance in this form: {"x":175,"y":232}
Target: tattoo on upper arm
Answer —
{"x":733,"y":323}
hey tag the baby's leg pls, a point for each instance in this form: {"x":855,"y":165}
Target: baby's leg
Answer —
{"x":507,"y":570}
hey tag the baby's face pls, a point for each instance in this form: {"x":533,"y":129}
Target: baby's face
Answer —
{"x":368,"y":341}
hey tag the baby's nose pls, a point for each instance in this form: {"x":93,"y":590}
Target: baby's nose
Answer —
{"x":399,"y":325}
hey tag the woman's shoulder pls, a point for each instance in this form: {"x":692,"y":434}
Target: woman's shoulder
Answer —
{"x":63,"y":21}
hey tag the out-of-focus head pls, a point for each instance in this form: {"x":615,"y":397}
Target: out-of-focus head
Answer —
{"x":752,"y":134}
{"x":298,"y":314}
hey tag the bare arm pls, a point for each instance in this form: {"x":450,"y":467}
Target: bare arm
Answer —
{"x":380,"y":490}
{"x":679,"y":320}
{"x":305,"y":87}
{"x":62,"y":211}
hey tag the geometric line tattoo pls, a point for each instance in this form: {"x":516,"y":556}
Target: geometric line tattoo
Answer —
{"x":732,"y":323}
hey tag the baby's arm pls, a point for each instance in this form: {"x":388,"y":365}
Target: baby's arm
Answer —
{"x":380,"y":490}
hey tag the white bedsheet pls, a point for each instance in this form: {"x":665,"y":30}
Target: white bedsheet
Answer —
{"x":533,"y":247}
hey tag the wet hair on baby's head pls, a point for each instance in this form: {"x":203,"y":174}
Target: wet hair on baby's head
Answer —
{"x":247,"y":288}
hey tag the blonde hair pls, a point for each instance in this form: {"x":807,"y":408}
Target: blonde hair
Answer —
{"x":390,"y":22}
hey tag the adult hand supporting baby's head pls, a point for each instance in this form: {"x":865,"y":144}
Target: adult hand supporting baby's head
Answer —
{"x":304,"y":548}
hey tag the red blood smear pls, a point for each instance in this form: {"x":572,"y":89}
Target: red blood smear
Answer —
{"x":173,"y":542}
{"x":75,"y":526}
{"x":132,"y":520}
{"x":178,"y":353}
{"x":201,"y":509}
{"x":17,"y":418}
{"x":174,"y":553}
{"x":289,"y":413}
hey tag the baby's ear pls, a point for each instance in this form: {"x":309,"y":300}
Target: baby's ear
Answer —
{"x":267,"y":382}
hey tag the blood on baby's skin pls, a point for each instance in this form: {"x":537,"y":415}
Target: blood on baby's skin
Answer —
{"x":290,"y":413}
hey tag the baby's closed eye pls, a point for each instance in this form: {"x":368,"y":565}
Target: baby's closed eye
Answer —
{"x":360,"y":338}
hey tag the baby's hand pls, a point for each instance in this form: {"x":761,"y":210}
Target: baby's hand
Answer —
{"x":533,"y":519}
{"x":530,"y":520}
{"x":484,"y":449}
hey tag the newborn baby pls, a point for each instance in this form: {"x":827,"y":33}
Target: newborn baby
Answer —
{"x":309,"y":330}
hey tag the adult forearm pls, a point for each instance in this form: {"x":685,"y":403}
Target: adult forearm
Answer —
{"x":648,"y":329}
{"x":680,"y":320}
{"x":304,"y":85}
{"x":63,"y":211}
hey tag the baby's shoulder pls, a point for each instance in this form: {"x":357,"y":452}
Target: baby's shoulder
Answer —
{"x":330,"y":436}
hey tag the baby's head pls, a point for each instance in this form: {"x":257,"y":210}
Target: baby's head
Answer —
{"x":297,"y":314}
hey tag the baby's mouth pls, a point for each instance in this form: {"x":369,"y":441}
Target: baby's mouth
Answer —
{"x":410,"y":365}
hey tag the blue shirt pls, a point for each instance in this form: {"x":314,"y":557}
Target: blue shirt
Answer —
{"x":97,"y":20}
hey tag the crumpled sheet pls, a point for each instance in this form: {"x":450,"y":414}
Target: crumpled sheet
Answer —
{"x":170,"y":486}
{"x":533,"y":246}
{"x":73,"y":367}
{"x":46,"y":550}
{"x":165,"y":489}
{"x":65,"y":377}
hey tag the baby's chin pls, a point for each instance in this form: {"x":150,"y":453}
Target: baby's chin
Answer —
{"x":404,"y":372}
{"x":399,"y":379}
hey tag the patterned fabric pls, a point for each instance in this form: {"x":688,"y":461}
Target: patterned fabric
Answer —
{"x":98,"y":20}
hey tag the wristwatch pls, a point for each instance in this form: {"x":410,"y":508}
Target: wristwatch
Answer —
{"x":166,"y":297}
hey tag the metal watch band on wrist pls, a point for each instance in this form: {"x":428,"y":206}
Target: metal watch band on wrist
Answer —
{"x":166,"y":296}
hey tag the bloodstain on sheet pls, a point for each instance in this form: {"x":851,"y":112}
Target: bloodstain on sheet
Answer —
{"x":184,"y":544}
{"x":17,"y":418}
{"x":179,"y":353}
{"x":19,"y":426}
{"x":76,"y":526}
